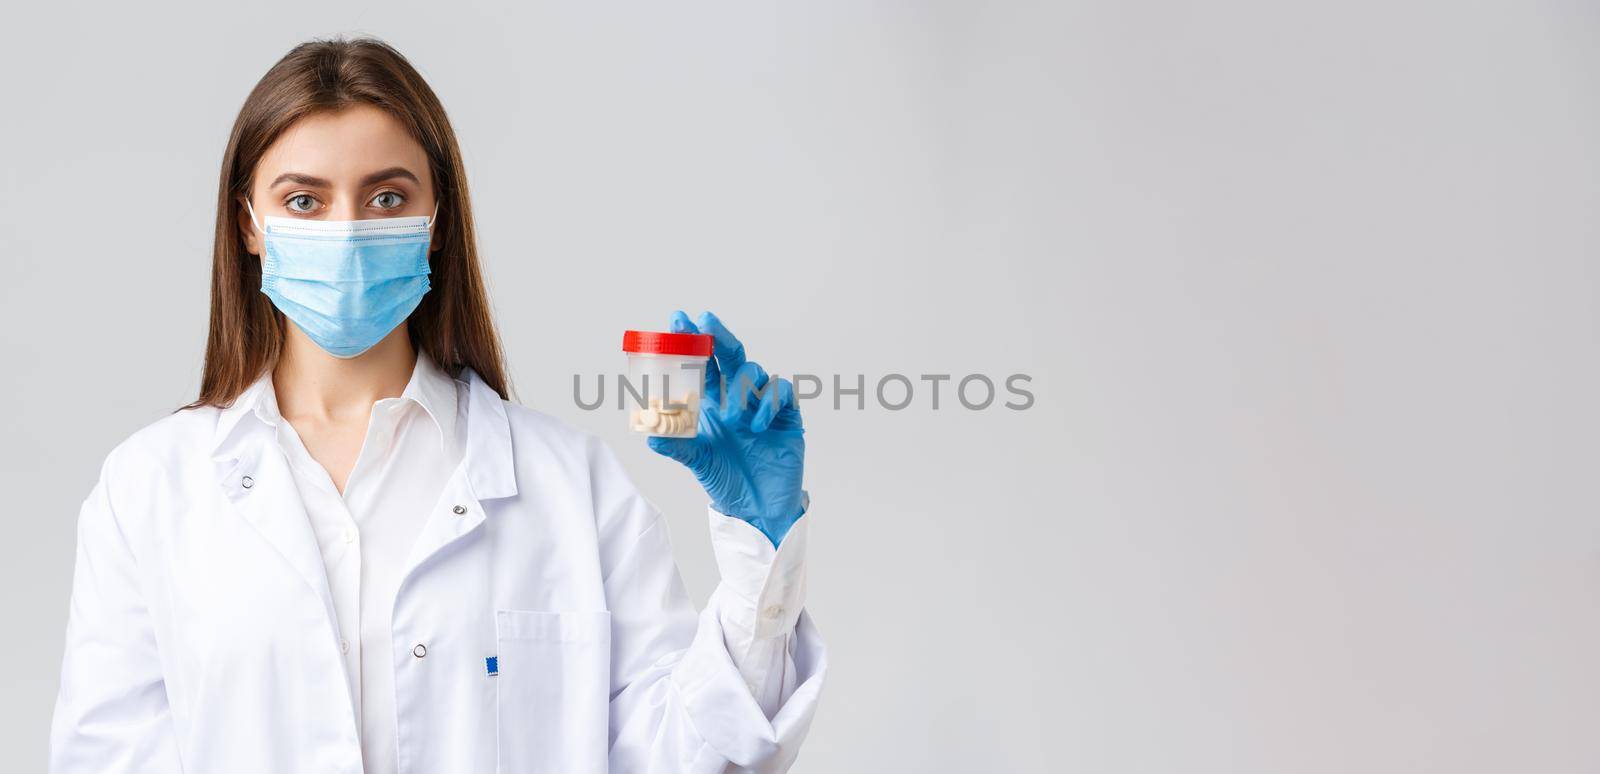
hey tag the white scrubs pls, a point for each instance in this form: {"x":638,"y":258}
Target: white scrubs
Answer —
{"x":537,"y":621}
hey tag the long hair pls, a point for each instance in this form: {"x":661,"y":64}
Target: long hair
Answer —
{"x":452,"y":323}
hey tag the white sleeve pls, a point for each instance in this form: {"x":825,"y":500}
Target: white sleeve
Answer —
{"x":111,"y":713}
{"x":718,"y":691}
{"x":759,"y":603}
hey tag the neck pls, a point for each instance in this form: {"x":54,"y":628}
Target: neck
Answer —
{"x":312,"y":384}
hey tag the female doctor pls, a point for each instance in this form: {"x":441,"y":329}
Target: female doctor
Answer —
{"x":352,"y":553}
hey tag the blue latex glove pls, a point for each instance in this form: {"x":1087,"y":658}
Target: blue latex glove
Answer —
{"x":750,"y":450}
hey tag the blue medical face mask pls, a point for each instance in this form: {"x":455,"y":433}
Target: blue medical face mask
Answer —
{"x":347,"y":284}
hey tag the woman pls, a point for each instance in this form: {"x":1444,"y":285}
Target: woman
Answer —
{"x":352,"y":553}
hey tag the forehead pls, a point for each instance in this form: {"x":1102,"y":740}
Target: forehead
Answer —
{"x":342,"y":146}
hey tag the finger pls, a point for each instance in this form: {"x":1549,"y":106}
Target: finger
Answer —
{"x":681,"y":323}
{"x":684,"y":450}
{"x":779,"y":395}
{"x":749,"y":379}
{"x":788,"y":417}
{"x":728,"y":349}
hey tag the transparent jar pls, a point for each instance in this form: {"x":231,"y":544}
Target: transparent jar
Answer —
{"x":666,"y":373}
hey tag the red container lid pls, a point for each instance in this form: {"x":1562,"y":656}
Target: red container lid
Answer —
{"x":653,"y":343}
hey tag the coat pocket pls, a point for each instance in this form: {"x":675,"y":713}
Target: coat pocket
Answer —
{"x":552,"y":708}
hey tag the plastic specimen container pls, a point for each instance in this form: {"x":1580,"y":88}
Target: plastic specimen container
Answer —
{"x":666,"y":373}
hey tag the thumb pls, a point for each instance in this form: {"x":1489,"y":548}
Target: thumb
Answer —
{"x":684,"y":450}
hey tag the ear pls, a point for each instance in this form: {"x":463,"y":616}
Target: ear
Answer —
{"x":435,"y":243}
{"x":247,"y":229}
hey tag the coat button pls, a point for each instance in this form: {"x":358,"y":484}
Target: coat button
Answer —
{"x":247,"y":482}
{"x":772,"y":613}
{"x":459,"y":509}
{"x":420,"y":650}
{"x":344,"y":646}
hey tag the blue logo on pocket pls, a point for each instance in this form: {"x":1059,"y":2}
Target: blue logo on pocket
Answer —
{"x":492,"y":664}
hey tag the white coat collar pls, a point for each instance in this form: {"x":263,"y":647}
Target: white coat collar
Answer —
{"x":489,"y":460}
{"x":435,"y":392}
{"x":490,"y":464}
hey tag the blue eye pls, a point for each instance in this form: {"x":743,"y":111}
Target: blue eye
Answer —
{"x":388,"y":200}
{"x":302,"y":203}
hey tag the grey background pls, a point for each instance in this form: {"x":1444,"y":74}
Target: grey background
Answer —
{"x":1308,"y":292}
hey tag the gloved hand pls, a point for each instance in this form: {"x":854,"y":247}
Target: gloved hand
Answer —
{"x":750,"y":450}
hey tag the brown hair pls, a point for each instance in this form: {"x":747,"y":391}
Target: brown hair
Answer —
{"x":452,"y":323}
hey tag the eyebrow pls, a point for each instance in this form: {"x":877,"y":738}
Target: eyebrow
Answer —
{"x":300,"y":179}
{"x":391,"y":173}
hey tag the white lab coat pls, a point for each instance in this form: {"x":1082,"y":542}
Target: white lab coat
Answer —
{"x":202,"y":638}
